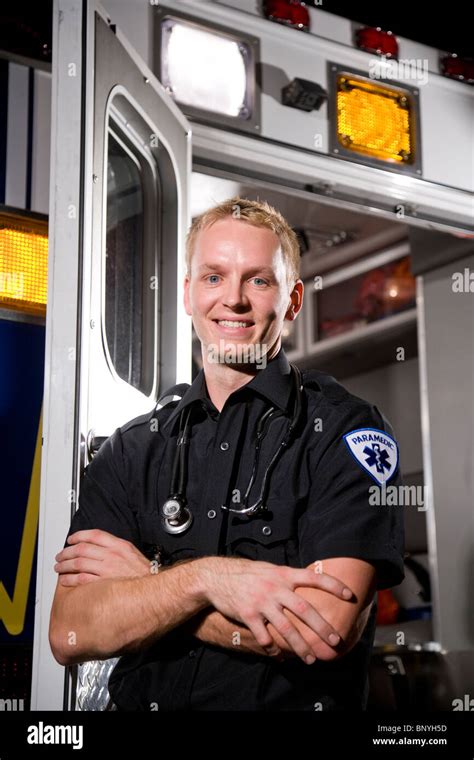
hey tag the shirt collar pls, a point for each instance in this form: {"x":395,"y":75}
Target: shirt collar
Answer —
{"x":273,"y":382}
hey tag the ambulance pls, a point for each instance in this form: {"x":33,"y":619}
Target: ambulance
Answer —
{"x":152,"y":112}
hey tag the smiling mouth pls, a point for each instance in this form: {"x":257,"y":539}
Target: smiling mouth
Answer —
{"x":234,"y":322}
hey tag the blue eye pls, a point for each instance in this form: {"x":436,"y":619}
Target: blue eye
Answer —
{"x":261,"y":280}
{"x":212,"y":275}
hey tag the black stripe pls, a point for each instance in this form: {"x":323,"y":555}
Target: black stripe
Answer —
{"x":29,"y":154}
{"x":3,"y":127}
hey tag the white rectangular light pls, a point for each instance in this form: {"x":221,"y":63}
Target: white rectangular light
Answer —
{"x":209,"y":71}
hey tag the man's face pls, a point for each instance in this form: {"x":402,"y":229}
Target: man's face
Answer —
{"x":238,"y":291}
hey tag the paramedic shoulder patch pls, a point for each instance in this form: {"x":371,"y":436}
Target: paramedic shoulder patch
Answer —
{"x":375,"y":451}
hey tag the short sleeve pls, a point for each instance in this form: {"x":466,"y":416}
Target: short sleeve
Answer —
{"x":103,"y":501}
{"x":347,"y":514}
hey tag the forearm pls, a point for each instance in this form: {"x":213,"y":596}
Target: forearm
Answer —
{"x":214,"y":628}
{"x":113,"y":616}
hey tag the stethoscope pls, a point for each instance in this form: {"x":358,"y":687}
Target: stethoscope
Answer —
{"x":175,"y":512}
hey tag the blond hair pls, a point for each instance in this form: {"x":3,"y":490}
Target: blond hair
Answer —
{"x":258,"y":214}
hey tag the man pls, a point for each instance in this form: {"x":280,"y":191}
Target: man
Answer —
{"x":245,"y":611}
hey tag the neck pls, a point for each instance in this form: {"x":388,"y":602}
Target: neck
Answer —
{"x":223,"y":379}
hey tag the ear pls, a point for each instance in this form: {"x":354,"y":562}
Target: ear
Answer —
{"x":186,"y":298}
{"x":296,"y":301}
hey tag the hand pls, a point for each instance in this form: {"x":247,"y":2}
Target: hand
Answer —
{"x":256,"y":593}
{"x":95,"y":555}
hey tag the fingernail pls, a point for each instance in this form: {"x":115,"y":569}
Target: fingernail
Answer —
{"x":347,"y":593}
{"x":334,"y":639}
{"x":309,"y":659}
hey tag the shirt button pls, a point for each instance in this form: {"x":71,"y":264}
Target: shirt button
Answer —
{"x":224,"y":446}
{"x":266,"y":530}
{"x":211,"y":514}
{"x":192,"y":653}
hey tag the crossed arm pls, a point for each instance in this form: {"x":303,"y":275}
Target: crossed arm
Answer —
{"x":347,"y":618}
{"x":111,"y":604}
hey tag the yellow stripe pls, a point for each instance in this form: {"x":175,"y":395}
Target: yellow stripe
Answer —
{"x":12,"y":611}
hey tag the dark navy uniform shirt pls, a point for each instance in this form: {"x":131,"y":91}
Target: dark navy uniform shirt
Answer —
{"x":318,"y":507}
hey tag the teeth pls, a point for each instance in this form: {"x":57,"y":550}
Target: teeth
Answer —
{"x":228,"y":323}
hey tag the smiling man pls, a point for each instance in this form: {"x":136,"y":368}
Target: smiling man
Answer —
{"x":224,"y":544}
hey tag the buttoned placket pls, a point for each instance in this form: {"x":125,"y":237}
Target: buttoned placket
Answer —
{"x":218,"y":481}
{"x":214,"y":495}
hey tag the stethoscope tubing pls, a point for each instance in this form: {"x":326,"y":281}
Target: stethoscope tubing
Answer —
{"x":175,"y":512}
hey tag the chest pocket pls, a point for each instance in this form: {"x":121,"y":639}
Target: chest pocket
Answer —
{"x":268,"y":538}
{"x":170,"y":548}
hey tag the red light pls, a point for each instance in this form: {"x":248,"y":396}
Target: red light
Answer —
{"x":374,"y":40}
{"x":458,"y":68}
{"x":290,"y":12}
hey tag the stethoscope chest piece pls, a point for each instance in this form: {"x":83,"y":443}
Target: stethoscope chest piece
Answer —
{"x":176,"y":516}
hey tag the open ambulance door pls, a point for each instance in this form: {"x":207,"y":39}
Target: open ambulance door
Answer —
{"x":120,"y":170}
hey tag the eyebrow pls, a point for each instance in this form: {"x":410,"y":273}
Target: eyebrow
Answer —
{"x":268,"y":271}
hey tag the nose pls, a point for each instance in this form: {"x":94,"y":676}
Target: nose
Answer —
{"x":234,"y":295}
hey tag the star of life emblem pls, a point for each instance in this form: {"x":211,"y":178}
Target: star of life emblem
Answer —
{"x":375,"y":451}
